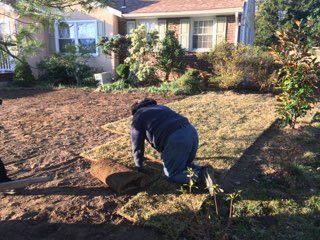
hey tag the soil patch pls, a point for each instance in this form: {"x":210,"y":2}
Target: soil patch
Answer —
{"x":43,"y":133}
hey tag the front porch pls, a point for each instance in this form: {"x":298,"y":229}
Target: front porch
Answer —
{"x":6,"y":69}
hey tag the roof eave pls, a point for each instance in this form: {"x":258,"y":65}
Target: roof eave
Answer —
{"x":196,"y":13}
{"x":114,"y":11}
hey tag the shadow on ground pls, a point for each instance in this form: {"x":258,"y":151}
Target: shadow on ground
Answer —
{"x":23,"y":229}
{"x":22,"y":93}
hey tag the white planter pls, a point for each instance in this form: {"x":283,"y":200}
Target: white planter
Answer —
{"x":103,"y":78}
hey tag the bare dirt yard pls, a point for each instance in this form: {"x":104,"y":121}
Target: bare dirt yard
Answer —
{"x":42,"y":133}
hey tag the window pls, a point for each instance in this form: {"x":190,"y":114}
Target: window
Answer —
{"x":151,"y":24}
{"x":202,"y":34}
{"x":4,"y":30}
{"x":82,"y":34}
{"x":131,"y":25}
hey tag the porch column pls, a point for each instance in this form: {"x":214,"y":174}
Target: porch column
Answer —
{"x":237,"y":28}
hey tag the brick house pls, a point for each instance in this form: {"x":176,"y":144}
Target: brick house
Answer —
{"x":199,"y":25}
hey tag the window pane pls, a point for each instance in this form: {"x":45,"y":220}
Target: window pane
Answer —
{"x":195,"y":44}
{"x":150,"y":24}
{"x":202,"y":34}
{"x":66,"y":30}
{"x":2,"y":30}
{"x":65,"y":44}
{"x":86,"y":30}
{"x":88,"y":45}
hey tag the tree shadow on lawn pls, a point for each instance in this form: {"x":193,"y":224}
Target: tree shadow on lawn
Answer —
{"x":198,"y":225}
{"x":43,"y":229}
{"x":6,"y":94}
{"x":280,"y":204}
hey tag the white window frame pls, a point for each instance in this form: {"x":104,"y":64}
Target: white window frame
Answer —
{"x":138,"y":22}
{"x":56,"y":33}
{"x":127,"y":26}
{"x":6,"y":22}
{"x":214,"y":33}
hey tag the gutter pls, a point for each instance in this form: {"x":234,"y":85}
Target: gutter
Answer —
{"x":114,"y":11}
{"x":222,"y":11}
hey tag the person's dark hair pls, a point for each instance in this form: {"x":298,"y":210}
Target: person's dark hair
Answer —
{"x":143,"y":103}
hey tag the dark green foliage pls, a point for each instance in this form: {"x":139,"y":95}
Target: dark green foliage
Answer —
{"x":68,"y":69}
{"x":274,"y":15}
{"x":115,"y":87}
{"x":297,"y":77}
{"x":170,"y":55}
{"x":240,"y":67}
{"x":123,"y":71}
{"x":191,"y":82}
{"x":118,"y":45}
{"x":23,"y":74}
{"x":165,"y":88}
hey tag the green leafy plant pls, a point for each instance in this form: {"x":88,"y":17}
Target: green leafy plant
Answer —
{"x":141,"y":53}
{"x":274,"y":15}
{"x":118,"y":45}
{"x":216,"y":190}
{"x":190,"y":82}
{"x":119,"y":85}
{"x":165,"y":88}
{"x":23,"y":75}
{"x":232,"y":197}
{"x":192,"y":180}
{"x":68,"y":68}
{"x":170,"y":55}
{"x":298,"y":76}
{"x":123,"y":71}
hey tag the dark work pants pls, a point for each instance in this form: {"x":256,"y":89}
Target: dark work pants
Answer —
{"x":179,"y":154}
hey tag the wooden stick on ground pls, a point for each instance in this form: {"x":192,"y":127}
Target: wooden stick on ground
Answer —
{"x":22,"y":183}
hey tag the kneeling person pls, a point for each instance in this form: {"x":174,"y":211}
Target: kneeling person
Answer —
{"x":170,"y":134}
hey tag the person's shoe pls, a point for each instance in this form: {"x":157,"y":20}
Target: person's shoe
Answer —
{"x":207,"y":178}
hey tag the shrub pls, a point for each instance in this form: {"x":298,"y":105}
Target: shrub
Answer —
{"x":116,"y":86}
{"x":170,"y":54}
{"x":23,"y":74}
{"x":141,"y":53}
{"x":146,"y":74}
{"x":165,"y":89}
{"x":191,"y":82}
{"x":123,"y":71}
{"x":119,"y":45}
{"x":298,"y":76}
{"x":69,"y":68}
{"x":241,"y":67}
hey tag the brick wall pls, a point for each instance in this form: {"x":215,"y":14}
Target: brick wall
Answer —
{"x":231,"y":29}
{"x":122,"y":26}
{"x":173,"y":24}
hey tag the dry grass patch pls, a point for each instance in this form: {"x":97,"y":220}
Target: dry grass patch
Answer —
{"x":227,"y":124}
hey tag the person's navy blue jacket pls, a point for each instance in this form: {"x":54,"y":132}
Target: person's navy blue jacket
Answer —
{"x":155,"y":123}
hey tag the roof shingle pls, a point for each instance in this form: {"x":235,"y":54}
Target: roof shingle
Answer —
{"x":153,"y":6}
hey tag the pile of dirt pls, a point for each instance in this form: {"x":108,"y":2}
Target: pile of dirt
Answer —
{"x":43,"y":133}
